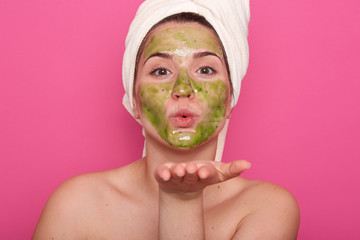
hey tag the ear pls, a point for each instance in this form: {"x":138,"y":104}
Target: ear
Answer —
{"x":228,"y":112}
{"x":136,"y":112}
{"x":229,"y":115}
{"x":229,"y":108}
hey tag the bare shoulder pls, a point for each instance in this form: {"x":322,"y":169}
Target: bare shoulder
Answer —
{"x":273,"y":212}
{"x":267,"y":193}
{"x":69,"y":211}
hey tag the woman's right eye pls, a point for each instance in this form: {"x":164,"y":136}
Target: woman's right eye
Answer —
{"x":160,"y":72}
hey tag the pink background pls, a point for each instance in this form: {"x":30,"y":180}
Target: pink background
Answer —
{"x":297,"y":120}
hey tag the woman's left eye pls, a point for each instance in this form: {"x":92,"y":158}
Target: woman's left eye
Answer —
{"x":161,"y":72}
{"x":205,"y":70}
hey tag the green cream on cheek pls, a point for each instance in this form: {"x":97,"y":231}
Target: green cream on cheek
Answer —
{"x":152,"y":99}
{"x":212,"y":95}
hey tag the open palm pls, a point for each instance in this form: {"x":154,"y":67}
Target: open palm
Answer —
{"x":192,"y":177}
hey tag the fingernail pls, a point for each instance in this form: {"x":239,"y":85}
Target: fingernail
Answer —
{"x":248,"y":165}
{"x":203,"y":175}
{"x":166,"y":178}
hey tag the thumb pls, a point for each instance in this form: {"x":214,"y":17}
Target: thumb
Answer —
{"x":231,"y":170}
{"x":237,"y":167}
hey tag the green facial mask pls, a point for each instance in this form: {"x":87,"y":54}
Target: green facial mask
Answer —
{"x":213,"y":95}
{"x":181,"y":41}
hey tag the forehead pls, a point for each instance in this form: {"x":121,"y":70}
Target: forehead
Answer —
{"x":171,"y":36}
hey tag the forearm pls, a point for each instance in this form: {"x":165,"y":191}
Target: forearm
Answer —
{"x":181,"y":217}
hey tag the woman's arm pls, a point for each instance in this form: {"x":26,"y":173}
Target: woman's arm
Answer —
{"x":181,"y":192}
{"x":181,"y":217}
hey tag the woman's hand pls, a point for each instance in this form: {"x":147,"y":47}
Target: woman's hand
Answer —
{"x":192,"y":177}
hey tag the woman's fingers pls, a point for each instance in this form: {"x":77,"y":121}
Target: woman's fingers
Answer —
{"x":237,"y":167}
{"x":191,"y":176}
{"x":203,"y":171}
{"x":206,"y":171}
{"x":231,"y":170}
{"x":162,"y":173}
{"x":177,"y":173}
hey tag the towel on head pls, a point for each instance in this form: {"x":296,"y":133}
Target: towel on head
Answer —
{"x":229,"y":18}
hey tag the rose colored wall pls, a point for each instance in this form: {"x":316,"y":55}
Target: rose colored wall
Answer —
{"x":297,"y":120}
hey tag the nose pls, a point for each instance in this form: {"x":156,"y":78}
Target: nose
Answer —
{"x":183,"y":87}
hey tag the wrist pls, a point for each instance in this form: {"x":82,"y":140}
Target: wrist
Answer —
{"x":180,"y":196}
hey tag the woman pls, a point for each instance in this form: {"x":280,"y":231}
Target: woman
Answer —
{"x":182,"y":81}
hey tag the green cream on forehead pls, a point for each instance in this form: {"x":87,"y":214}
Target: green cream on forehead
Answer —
{"x":180,"y":40}
{"x":211,"y":94}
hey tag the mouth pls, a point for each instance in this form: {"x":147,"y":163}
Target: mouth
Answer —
{"x":183,"y":118}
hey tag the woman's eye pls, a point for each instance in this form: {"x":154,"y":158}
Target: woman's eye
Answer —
{"x":205,"y":70}
{"x":161,"y":72}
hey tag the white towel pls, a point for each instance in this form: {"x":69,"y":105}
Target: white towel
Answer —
{"x":229,"y":18}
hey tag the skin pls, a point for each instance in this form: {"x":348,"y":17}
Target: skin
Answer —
{"x":211,"y":92}
{"x":175,"y":40}
{"x":170,"y":193}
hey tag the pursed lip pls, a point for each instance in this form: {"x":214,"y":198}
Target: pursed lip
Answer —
{"x":183,"y":118}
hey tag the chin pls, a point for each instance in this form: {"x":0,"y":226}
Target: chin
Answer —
{"x":183,"y":139}
{"x":189,"y":140}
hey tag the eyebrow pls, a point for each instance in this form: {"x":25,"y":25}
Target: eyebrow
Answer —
{"x":206,"y":53}
{"x":162,"y":55}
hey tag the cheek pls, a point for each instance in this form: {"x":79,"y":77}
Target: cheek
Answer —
{"x":152,"y":98}
{"x":214,"y":95}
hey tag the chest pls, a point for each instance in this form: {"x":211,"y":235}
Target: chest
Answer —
{"x":140,"y":221}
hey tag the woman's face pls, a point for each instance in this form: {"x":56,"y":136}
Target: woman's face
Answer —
{"x":182,"y":86}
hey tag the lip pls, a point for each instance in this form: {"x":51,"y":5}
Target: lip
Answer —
{"x":183,"y":118}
